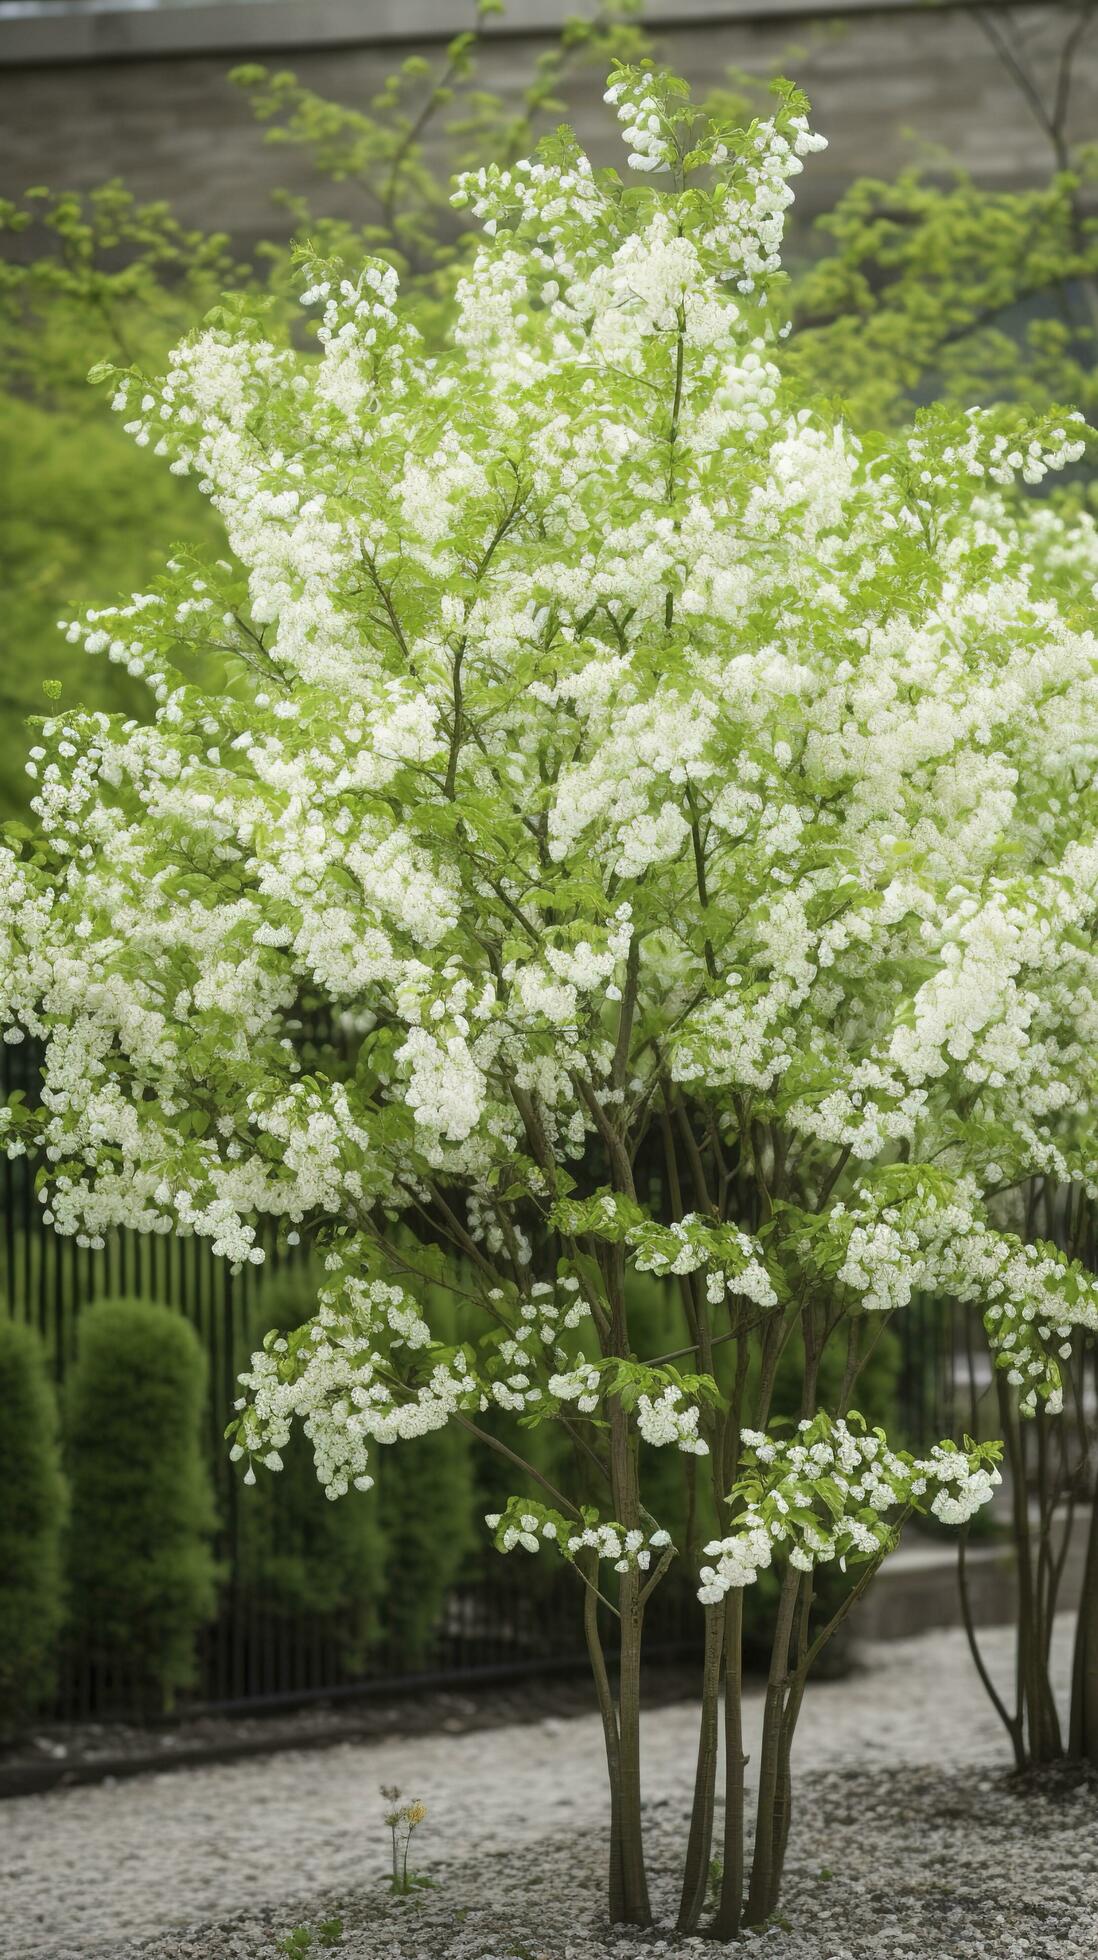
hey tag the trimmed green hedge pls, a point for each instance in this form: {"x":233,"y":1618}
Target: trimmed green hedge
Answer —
{"x":427,"y":1505}
{"x":142,"y":1574}
{"x":298,"y":1553}
{"x":32,"y":1511}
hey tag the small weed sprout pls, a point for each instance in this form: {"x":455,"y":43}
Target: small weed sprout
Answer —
{"x":403,"y":1820}
{"x":303,"y":1939}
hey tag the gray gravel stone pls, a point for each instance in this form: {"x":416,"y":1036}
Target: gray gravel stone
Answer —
{"x":909,"y":1842}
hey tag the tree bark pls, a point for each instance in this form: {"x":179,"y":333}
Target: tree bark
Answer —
{"x":1083,"y":1739}
{"x":764,"y":1863}
{"x":700,"y":1842}
{"x":636,"y":1910}
{"x":726,"y":1925}
{"x":1043,"y":1741}
{"x":611,"y":1741}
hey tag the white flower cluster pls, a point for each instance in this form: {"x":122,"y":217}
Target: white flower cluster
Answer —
{"x":580,"y":1385}
{"x":826,"y":1494}
{"x":986,"y":450}
{"x":667,"y":1418}
{"x":339,"y":1375}
{"x":961,"y":1489}
{"x":521,"y":1360}
{"x":625,"y":1550}
{"x":934,"y":1238}
{"x":525,"y":1528}
{"x":529,"y":1524}
{"x":644,"y":128}
{"x":751,"y":224}
{"x":731,"y":1259}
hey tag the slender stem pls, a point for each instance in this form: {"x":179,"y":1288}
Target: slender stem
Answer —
{"x":672,"y":441}
{"x":869,"y":1571}
{"x":783,"y":1805}
{"x":502,"y":1449}
{"x":637,"y":1910}
{"x":457,"y":724}
{"x":763,"y":1877}
{"x":611,"y":1740}
{"x":1083,"y":1738}
{"x":656,"y":1575}
{"x":700,"y":1840}
{"x":1042,"y":1737}
{"x":1011,"y":1723}
{"x":700,"y":875}
{"x":832,"y":1176}
{"x":726,"y":1925}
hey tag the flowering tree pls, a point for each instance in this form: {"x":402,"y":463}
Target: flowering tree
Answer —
{"x":680,"y":810}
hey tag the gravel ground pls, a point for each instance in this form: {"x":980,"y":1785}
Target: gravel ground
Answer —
{"x":927,"y":1864}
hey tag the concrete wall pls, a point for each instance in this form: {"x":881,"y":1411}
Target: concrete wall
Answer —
{"x":916,"y":1588}
{"x":172,"y":126}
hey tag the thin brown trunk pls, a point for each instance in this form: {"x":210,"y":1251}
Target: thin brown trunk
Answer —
{"x":785,"y":1694}
{"x":636,"y":1910}
{"x":783,"y":1801}
{"x":611,"y":1743}
{"x":700,"y":1842}
{"x":763,"y":1863}
{"x":1083,"y":1739}
{"x":1011,"y":1723}
{"x":726,"y":1925}
{"x":1042,"y":1729}
{"x":623,"y":1475}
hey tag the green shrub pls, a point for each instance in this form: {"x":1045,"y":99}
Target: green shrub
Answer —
{"x":31,"y":1524}
{"x":427,"y":1505}
{"x":297,"y":1553}
{"x":378,"y":1565}
{"x":141,"y":1569}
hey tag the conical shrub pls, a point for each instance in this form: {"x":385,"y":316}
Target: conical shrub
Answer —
{"x":32,"y":1510}
{"x":142,"y":1573}
{"x":301,"y":1556}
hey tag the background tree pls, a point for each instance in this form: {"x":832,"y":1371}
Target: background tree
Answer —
{"x":103,"y":274}
{"x":936,"y":287}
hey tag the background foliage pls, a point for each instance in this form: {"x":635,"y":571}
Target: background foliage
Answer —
{"x":141,"y":1570}
{"x":31,"y":1523}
